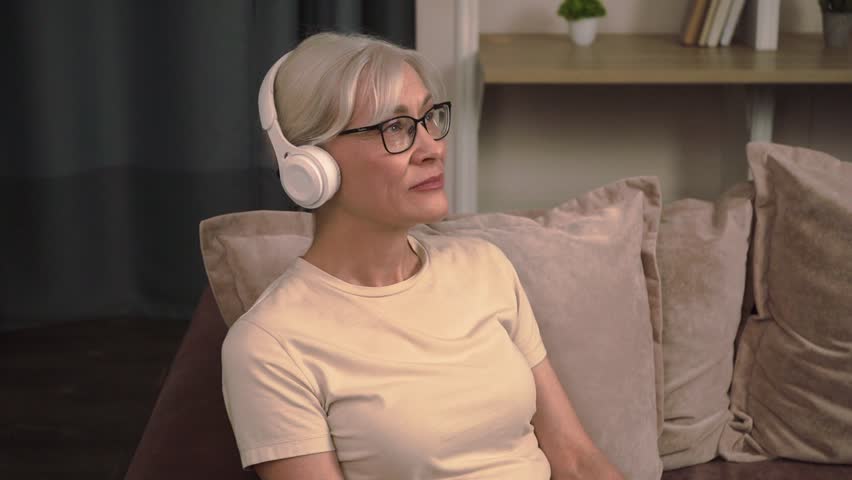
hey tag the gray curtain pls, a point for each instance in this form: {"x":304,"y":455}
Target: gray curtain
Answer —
{"x":126,"y":123}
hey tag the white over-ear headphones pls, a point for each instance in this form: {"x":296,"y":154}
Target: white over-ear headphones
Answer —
{"x":309,"y":175}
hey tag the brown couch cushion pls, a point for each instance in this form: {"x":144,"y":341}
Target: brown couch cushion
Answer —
{"x":702,"y":253}
{"x":188,"y":435}
{"x":792,"y":386}
{"x":766,"y":470}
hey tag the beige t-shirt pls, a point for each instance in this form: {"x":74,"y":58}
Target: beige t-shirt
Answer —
{"x":428,"y":378}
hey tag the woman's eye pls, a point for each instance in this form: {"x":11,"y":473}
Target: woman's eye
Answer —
{"x":429,"y":115}
{"x":393,"y":127}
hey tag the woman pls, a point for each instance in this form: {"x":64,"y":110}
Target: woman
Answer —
{"x":379,"y":354}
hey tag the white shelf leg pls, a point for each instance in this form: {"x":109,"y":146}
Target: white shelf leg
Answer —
{"x":466,"y":108}
{"x":762,"y":107}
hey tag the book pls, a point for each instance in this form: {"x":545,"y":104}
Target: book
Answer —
{"x":760,"y":24}
{"x":731,"y":22}
{"x":708,"y":20}
{"x":718,"y":23}
{"x":693,"y":21}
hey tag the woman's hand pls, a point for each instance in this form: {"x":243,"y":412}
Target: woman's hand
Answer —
{"x":599,"y":468}
{"x":591,"y":466}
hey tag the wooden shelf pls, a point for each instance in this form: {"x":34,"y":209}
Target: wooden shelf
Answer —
{"x":657,"y":59}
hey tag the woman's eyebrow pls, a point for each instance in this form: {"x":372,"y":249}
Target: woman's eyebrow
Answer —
{"x":404,"y":109}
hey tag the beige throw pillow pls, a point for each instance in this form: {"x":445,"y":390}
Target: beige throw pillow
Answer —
{"x":792,"y":387}
{"x":246,"y":251}
{"x":588,"y":267}
{"x":702,"y":252}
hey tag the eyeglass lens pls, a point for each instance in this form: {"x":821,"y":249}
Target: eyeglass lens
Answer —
{"x":399,"y":133}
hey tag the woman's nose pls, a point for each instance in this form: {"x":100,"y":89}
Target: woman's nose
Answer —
{"x":424,"y":135}
{"x":427,"y":148}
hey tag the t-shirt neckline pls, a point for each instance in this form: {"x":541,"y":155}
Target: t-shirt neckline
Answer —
{"x":361,"y":290}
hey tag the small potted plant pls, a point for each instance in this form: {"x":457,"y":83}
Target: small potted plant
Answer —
{"x":836,"y":22}
{"x":582,"y":17}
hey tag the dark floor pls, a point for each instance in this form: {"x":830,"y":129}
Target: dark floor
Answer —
{"x":76,"y":397}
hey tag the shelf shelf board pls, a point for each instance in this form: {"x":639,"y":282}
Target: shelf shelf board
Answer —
{"x":658,"y":59}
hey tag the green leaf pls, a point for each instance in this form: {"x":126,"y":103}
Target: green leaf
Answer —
{"x":579,"y":9}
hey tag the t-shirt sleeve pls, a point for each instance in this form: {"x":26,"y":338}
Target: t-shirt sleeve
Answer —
{"x":273,"y":409}
{"x":524,"y":332}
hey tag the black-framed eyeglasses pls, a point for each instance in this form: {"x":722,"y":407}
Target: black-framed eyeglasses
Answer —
{"x":398,"y":133}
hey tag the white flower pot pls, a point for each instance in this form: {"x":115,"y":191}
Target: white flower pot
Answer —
{"x":583,"y":31}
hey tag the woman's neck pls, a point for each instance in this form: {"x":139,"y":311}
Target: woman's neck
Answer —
{"x":363,"y":256}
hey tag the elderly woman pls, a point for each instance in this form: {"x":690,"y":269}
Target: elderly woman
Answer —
{"x":380,"y":354}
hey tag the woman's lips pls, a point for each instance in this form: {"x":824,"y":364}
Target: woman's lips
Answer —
{"x":433,"y":185}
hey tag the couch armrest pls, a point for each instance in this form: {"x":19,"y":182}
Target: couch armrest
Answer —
{"x":188,"y":434}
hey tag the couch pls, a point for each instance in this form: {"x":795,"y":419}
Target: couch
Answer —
{"x":188,"y":434}
{"x":699,"y":267}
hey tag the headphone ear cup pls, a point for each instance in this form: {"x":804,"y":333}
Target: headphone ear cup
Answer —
{"x":309,"y":175}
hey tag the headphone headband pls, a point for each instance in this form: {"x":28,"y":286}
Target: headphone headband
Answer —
{"x":308,"y":174}
{"x":268,"y":114}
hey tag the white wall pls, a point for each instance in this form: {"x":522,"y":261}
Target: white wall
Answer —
{"x":435,"y":38}
{"x":540,"y":145}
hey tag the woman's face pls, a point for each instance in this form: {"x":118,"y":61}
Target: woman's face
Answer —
{"x":376,"y":185}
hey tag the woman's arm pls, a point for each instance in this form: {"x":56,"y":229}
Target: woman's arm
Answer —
{"x":315,"y":466}
{"x":567,"y":446}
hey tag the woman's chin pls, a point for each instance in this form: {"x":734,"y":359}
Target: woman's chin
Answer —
{"x":439,"y":212}
{"x":434,"y":209}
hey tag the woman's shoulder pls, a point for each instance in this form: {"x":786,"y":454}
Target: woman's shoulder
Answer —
{"x":456,"y":246}
{"x":281,"y":305}
{"x":437,"y":241}
{"x":246,"y":339}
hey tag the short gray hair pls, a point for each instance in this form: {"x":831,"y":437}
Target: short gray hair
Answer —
{"x":316,"y":87}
